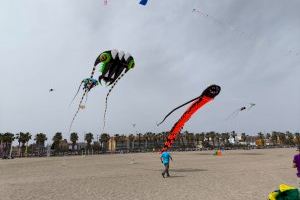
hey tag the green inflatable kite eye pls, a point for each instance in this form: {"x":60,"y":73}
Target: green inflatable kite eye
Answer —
{"x":105,"y":57}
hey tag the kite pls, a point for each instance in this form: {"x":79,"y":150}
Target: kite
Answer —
{"x":285,"y":192}
{"x":207,"y":95}
{"x":236,"y":112}
{"x":51,"y":90}
{"x":113,"y":65}
{"x":88,"y":84}
{"x":224,"y":24}
{"x":143,"y":2}
{"x":251,"y":105}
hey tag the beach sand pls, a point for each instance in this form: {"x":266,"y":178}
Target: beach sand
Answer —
{"x":236,"y":175}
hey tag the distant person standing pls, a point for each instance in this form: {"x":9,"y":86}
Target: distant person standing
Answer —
{"x":296,"y":164}
{"x":165,"y":160}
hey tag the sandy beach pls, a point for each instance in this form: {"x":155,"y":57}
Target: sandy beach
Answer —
{"x":249,"y":174}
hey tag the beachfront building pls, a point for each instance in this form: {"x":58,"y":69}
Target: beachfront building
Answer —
{"x":231,"y":140}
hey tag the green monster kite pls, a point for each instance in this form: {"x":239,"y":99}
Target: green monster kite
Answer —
{"x":113,"y":66}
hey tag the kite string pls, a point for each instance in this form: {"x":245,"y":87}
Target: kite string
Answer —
{"x":85,"y":92}
{"x":233,"y":115}
{"x":76,"y":93}
{"x":106,"y":99}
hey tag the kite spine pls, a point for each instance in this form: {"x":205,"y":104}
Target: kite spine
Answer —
{"x":76,"y":93}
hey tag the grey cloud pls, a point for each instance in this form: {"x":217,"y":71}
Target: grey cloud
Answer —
{"x":248,"y":47}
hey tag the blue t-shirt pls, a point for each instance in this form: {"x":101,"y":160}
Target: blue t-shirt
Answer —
{"x":165,"y":157}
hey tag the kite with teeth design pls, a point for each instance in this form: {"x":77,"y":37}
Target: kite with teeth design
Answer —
{"x":113,"y":65}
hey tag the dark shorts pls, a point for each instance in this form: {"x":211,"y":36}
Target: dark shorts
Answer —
{"x":166,"y":164}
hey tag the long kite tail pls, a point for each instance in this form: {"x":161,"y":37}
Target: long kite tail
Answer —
{"x":176,"y":109}
{"x":107,"y":95}
{"x":85,"y":92}
{"x":183,"y":119}
{"x":206,"y":96}
{"x":76,"y":93}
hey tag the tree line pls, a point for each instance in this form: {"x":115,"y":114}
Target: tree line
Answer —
{"x":148,"y":141}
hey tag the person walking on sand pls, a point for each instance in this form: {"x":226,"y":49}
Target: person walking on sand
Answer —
{"x":165,"y":160}
{"x":296,"y":164}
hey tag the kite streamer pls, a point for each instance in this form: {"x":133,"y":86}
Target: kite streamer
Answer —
{"x":207,"y":95}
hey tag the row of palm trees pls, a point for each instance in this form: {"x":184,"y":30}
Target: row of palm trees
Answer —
{"x":142,"y":142}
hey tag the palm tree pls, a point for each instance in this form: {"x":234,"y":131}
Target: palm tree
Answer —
{"x":57,"y":138}
{"x":190,"y":139}
{"x":117,"y":140}
{"x":139,"y":141}
{"x":218,"y":138}
{"x":19,"y":142}
{"x":63,"y":146}
{"x":1,"y":148}
{"x":207,"y":136}
{"x":104,"y":138}
{"x":212,"y":136}
{"x":202,"y":138}
{"x":88,"y":138}
{"x":40,"y":139}
{"x":24,"y":138}
{"x":244,"y":137}
{"x":131,"y":141}
{"x":7,"y":139}
{"x":282,"y":139}
{"x":148,"y":138}
{"x":290,"y":138}
{"x":73,"y":139}
{"x":274,"y":137}
{"x":181,"y":137}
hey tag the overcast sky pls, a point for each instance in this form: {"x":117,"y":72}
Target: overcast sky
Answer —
{"x":250,"y":48}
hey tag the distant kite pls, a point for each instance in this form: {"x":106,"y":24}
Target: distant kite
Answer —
{"x":223,"y":24}
{"x":143,"y":2}
{"x":236,"y":112}
{"x":51,"y":90}
{"x":88,"y":84}
{"x":207,"y":95}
